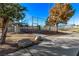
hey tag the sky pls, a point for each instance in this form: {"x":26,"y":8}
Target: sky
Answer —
{"x":40,"y":11}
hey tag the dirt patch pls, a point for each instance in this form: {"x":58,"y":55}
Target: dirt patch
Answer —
{"x":7,"y":48}
{"x":12,"y":37}
{"x":11,"y":40}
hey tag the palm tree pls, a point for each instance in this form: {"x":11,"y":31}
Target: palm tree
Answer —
{"x":10,"y":12}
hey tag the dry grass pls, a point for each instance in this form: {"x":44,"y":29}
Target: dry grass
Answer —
{"x":15,"y":37}
{"x":75,"y":30}
{"x":72,"y":30}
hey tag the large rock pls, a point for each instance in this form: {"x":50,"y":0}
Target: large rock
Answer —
{"x":37,"y":39}
{"x":28,"y":42}
{"x":24,"y":43}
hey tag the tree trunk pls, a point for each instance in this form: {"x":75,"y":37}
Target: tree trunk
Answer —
{"x":49,"y":28}
{"x":4,"y":29}
{"x":57,"y":28}
{"x":15,"y":30}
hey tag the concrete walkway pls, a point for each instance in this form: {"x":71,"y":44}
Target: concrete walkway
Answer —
{"x":52,"y":46}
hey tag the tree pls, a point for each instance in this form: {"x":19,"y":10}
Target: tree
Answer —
{"x":47,"y":24}
{"x":10,"y":12}
{"x":39,"y":27}
{"x":61,"y":13}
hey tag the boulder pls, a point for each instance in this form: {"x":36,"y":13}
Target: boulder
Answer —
{"x":28,"y":42}
{"x":24,"y":43}
{"x":37,"y":39}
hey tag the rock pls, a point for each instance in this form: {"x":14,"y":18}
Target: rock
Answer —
{"x":24,"y":43}
{"x":28,"y":42}
{"x":37,"y":39}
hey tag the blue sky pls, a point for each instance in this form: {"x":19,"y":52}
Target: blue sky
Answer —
{"x":75,"y":18}
{"x":41,"y":11}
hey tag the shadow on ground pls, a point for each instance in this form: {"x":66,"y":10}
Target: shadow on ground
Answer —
{"x":46,"y":32}
{"x":45,"y":48}
{"x":48,"y":49}
{"x":7,"y":48}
